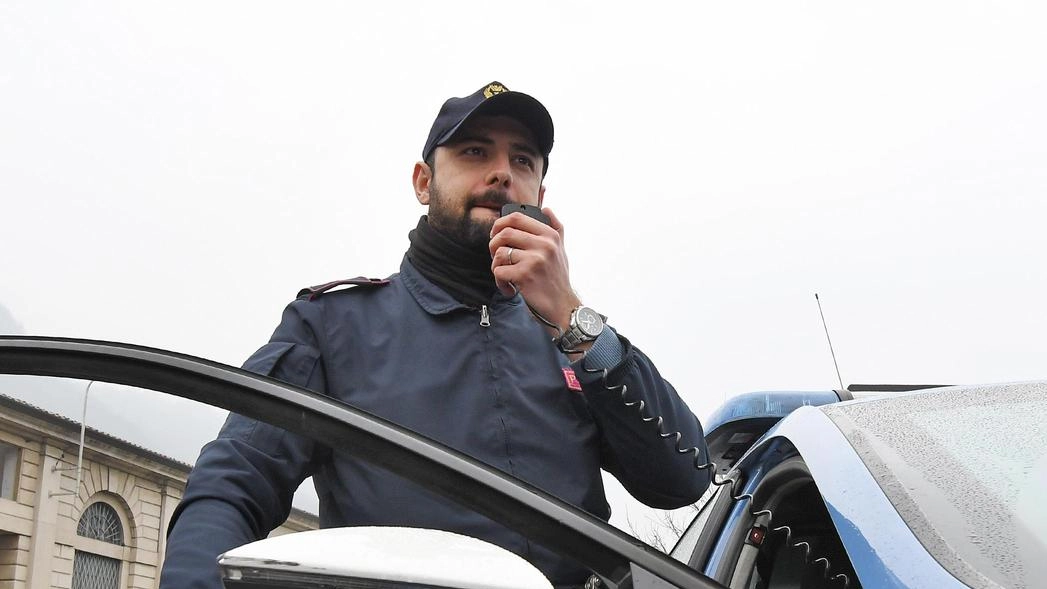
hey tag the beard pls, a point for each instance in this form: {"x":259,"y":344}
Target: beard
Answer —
{"x":458,"y":225}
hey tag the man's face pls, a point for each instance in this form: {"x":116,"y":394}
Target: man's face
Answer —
{"x":490,"y":162}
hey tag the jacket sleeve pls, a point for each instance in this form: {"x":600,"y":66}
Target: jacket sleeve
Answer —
{"x":627,"y":400}
{"x":243,"y":482}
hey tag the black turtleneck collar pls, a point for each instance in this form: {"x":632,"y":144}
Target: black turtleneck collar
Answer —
{"x":465,"y":273}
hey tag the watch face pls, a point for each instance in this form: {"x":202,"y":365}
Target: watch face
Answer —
{"x":589,"y":321}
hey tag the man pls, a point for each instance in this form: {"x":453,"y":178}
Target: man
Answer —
{"x":478,"y":342}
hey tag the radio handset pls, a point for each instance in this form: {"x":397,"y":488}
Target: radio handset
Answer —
{"x":529,"y":210}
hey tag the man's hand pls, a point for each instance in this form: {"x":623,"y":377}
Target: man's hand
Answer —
{"x":538,"y":265}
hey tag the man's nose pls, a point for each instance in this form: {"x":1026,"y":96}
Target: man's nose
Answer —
{"x":501,"y":173}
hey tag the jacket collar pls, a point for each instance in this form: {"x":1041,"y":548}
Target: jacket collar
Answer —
{"x":434,"y":299}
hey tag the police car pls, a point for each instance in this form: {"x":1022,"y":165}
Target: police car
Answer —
{"x":937,"y":488}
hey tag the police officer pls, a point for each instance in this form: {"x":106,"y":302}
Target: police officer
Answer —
{"x":478,"y":342}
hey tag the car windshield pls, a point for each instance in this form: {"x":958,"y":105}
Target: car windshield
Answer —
{"x":967,"y":470}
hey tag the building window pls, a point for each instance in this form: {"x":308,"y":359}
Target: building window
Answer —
{"x":93,"y":571}
{"x":8,"y":470}
{"x":100,"y":521}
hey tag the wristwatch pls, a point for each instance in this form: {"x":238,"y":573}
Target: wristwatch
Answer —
{"x":586,"y":326}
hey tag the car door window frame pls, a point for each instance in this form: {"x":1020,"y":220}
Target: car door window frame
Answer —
{"x":710,"y":518}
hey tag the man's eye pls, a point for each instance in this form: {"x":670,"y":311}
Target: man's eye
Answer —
{"x":473,"y":151}
{"x":523,"y":159}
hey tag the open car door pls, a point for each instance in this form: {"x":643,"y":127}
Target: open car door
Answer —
{"x":619,"y":559}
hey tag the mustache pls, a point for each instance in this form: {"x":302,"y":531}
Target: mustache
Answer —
{"x":490,"y":197}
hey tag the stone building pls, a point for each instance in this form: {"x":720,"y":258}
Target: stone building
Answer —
{"x":108,"y":533}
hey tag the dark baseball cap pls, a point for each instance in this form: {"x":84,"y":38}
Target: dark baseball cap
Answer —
{"x":492,"y":100}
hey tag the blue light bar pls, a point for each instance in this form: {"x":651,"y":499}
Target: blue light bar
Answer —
{"x":766,"y":404}
{"x":733,"y":428}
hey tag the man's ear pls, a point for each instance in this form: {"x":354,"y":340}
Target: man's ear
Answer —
{"x":541,"y":195}
{"x":422,"y":178}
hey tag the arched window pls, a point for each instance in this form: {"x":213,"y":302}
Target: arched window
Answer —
{"x":101,"y":522}
{"x":94,"y":571}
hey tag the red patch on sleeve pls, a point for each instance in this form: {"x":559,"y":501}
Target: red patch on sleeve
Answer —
{"x":572,"y":380}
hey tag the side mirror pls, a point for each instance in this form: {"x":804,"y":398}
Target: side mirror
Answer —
{"x":362,"y":557}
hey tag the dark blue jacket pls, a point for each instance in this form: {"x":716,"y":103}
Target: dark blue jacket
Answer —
{"x":412,"y":354}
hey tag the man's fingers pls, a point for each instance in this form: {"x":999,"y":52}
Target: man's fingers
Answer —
{"x":548,"y":241}
{"x":510,"y":237}
{"x":519,"y":221}
{"x":554,"y":222}
{"x":503,"y":279}
{"x":506,"y":255}
{"x":505,"y":287}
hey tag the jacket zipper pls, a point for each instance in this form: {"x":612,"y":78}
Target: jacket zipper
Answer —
{"x":485,"y":317}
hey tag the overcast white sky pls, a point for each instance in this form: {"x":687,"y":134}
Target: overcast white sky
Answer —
{"x":172,"y":173}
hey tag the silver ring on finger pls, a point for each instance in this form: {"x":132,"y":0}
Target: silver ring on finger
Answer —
{"x":510,"y":256}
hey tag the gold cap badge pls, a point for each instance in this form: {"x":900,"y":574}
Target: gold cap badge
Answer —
{"x":493,"y":89}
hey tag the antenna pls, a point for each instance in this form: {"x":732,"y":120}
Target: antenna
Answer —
{"x":79,"y":453}
{"x":824,"y":326}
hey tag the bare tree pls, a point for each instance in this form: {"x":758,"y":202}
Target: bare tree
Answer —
{"x":665,"y":528}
